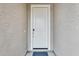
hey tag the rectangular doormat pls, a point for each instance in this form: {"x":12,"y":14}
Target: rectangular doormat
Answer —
{"x":40,"y":54}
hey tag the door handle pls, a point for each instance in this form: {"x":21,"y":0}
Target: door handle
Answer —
{"x":33,"y":29}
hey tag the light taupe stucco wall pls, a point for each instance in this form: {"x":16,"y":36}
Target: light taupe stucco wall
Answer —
{"x":13,"y":29}
{"x":66,"y":29}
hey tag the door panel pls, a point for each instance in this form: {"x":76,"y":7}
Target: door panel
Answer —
{"x":40,"y":26}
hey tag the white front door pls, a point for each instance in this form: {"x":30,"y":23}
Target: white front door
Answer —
{"x":40,"y":19}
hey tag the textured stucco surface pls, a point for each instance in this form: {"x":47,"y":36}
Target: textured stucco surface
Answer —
{"x":13,"y":29}
{"x":66,"y":29}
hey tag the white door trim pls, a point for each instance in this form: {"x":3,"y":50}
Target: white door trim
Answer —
{"x":38,"y":5}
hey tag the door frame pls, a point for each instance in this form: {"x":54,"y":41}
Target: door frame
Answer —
{"x":40,"y":5}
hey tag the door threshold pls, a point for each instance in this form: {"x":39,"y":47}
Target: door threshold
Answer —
{"x":40,"y":48}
